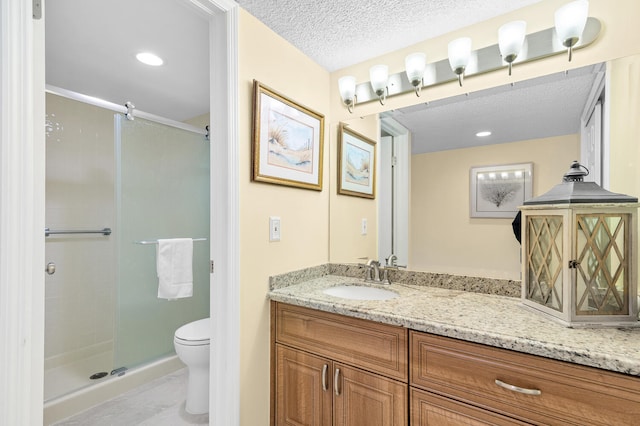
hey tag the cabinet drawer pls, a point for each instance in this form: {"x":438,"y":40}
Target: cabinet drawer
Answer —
{"x":569,"y":393}
{"x":372,"y":346}
{"x":428,"y":409}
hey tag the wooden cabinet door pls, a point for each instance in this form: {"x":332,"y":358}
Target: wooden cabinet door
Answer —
{"x":303,"y":389}
{"x":366,"y":399}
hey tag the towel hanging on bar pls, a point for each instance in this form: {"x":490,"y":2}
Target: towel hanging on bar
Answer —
{"x":175,"y":268}
{"x":148,"y":242}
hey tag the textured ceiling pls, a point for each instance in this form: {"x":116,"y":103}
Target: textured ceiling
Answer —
{"x":339,"y":33}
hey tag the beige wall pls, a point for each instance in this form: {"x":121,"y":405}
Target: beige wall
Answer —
{"x":624,"y":75}
{"x":443,"y":236}
{"x":304,"y":214}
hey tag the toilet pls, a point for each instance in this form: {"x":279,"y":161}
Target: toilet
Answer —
{"x":191,"y":342}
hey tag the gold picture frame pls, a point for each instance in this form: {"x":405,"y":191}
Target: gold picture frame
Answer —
{"x":288,"y":141}
{"x":356,"y":164}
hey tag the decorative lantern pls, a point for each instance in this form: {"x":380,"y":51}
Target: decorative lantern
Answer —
{"x":578,"y":254}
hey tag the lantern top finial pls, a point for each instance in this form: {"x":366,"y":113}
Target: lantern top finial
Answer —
{"x":576,"y":173}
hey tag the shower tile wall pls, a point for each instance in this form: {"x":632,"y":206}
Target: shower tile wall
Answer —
{"x":80,"y":296}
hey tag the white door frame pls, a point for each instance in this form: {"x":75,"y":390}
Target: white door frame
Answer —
{"x":22,"y":196}
{"x":401,"y":190}
{"x":598,"y":153}
{"x":21,"y":214}
{"x":224,"y":377}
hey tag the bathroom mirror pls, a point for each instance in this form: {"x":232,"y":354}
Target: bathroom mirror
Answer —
{"x":544,"y":121}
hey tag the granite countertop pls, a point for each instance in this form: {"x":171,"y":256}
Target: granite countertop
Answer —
{"x":490,"y":319}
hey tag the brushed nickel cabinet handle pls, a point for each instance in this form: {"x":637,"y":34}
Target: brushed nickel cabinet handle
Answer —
{"x":336,"y":388}
{"x":324,"y":377}
{"x":518,"y":389}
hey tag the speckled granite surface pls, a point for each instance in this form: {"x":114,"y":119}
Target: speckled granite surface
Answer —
{"x":452,"y":282}
{"x":483,"y":318}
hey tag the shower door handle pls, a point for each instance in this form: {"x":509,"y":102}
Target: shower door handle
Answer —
{"x":51,"y":268}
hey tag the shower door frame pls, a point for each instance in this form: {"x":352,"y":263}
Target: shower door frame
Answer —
{"x":22,"y":218}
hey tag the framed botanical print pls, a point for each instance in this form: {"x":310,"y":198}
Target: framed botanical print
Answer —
{"x":356,"y":164}
{"x":498,"y":191}
{"x":288,"y":141}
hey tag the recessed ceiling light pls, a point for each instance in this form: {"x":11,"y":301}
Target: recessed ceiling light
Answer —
{"x":483,"y":134}
{"x":149,"y":59}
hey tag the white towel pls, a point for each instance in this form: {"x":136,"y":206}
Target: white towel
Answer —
{"x":175,"y":268}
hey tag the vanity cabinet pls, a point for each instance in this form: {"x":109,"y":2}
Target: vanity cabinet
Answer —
{"x":330,"y":369}
{"x":487,"y":385}
{"x":335,"y":370}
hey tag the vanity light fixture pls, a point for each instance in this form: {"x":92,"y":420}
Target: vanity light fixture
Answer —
{"x":459,"y":55}
{"x":510,"y":40}
{"x":415,"y":65}
{"x":513,"y":44}
{"x":570,"y":21}
{"x":149,"y":58}
{"x":347,"y":88}
{"x":379,"y":75}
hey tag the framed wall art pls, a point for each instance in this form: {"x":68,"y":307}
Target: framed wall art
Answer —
{"x":288,"y":140}
{"x":356,"y":164}
{"x":498,"y":191}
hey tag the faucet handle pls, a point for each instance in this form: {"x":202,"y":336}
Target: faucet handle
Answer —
{"x":391,"y":260}
{"x":395,"y":267}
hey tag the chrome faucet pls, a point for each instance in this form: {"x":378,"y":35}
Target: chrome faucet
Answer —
{"x":372,"y":272}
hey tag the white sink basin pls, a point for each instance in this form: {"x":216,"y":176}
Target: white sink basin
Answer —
{"x":358,"y":292}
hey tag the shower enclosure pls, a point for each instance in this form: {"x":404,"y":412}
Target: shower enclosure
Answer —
{"x":128,"y":183}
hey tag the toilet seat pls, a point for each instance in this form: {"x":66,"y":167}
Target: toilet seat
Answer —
{"x":196,"y":333}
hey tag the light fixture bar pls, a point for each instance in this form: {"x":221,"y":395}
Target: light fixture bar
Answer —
{"x":539,"y":45}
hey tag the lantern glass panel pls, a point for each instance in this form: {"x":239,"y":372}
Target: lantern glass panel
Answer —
{"x":602,"y":286}
{"x":544,"y":262}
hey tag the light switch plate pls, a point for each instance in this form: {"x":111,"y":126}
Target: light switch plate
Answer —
{"x":363,"y":227}
{"x":274,"y":228}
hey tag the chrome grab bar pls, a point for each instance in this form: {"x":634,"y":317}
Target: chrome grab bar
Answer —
{"x":103,"y":231}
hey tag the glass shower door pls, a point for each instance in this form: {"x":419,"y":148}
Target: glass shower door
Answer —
{"x":162,"y":192}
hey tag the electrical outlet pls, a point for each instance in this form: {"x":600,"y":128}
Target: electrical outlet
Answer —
{"x":363,"y":227}
{"x":274,"y":228}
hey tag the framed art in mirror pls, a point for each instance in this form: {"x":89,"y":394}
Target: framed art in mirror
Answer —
{"x":356,"y":164}
{"x":288,"y":139}
{"x":498,"y":191}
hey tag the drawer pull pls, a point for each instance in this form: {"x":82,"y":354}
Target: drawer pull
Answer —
{"x":518,"y":388}
{"x":336,"y":376}
{"x":324,"y":377}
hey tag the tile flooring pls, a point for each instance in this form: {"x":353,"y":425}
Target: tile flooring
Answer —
{"x":158,"y":403}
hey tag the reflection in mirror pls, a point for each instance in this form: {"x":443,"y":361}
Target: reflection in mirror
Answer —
{"x":548,"y":121}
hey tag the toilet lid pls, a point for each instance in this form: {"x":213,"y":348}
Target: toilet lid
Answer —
{"x":194,"y":331}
